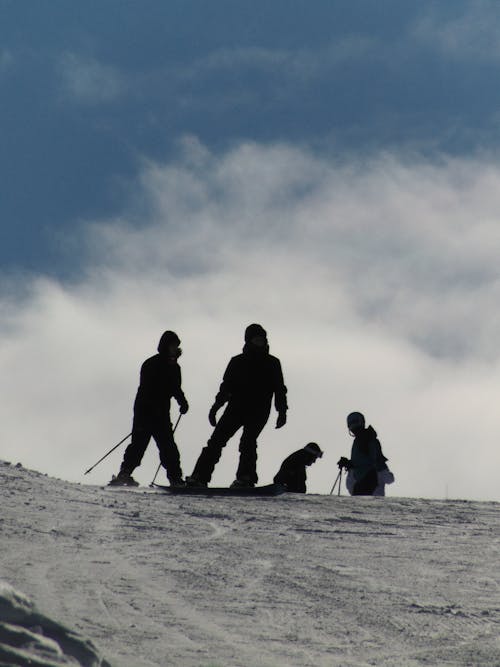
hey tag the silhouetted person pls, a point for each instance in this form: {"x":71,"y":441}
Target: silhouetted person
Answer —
{"x":160,"y":380}
{"x":292,"y":473}
{"x":367,"y":469}
{"x":250,"y":381}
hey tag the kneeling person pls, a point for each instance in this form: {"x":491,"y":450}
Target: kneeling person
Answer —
{"x":292,"y":473}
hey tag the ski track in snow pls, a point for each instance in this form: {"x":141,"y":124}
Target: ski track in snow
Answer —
{"x":290,"y":581}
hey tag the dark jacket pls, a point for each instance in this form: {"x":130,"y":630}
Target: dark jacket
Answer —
{"x":251,"y":380}
{"x":366,"y":454}
{"x":292,"y":473}
{"x":160,"y":380}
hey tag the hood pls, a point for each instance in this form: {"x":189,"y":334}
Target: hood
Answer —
{"x":168,"y":338}
{"x":254,"y":331}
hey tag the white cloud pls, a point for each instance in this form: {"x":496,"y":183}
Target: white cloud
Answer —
{"x":377,"y":283}
{"x":87,"y":80}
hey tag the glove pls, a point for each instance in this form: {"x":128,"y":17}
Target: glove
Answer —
{"x":183,"y":407}
{"x":212,"y":415}
{"x":281,"y":421}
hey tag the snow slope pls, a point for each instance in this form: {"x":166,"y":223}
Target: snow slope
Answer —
{"x":291,"y":581}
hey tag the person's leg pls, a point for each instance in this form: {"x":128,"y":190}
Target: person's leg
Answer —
{"x":167,"y":447}
{"x":366,"y":485}
{"x":226,"y":427}
{"x":141,"y":435}
{"x":247,"y":467}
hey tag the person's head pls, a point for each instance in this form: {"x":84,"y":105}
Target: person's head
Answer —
{"x":256,"y":335}
{"x":169,"y":344}
{"x":355,"y":422}
{"x":314,"y":452}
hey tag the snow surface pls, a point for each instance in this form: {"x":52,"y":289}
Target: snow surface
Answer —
{"x":143,"y":578}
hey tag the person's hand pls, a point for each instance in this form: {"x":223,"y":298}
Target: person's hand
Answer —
{"x":183,"y":407}
{"x":212,"y":415}
{"x":281,"y":421}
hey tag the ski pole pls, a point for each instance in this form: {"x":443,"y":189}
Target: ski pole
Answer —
{"x":105,"y":455}
{"x":159,"y":465}
{"x":339,"y":480}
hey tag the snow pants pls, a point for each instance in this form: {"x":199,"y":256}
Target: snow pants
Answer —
{"x":366,"y":485}
{"x":158,"y":427}
{"x":230,"y":422}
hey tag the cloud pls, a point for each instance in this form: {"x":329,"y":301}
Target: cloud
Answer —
{"x":471,"y":34}
{"x":377,"y":282}
{"x":396,"y":236}
{"x":301,"y":64}
{"x":248,"y":76}
{"x":89,"y":81}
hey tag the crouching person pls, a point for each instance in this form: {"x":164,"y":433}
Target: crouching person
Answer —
{"x":292,"y":473}
{"x":367,"y":468}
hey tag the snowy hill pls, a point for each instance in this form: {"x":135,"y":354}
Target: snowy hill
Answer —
{"x":141,"y":579}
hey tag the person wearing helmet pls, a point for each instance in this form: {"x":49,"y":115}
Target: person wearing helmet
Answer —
{"x":160,"y":380}
{"x":250,"y":382}
{"x":292,"y":472}
{"x":367,"y":469}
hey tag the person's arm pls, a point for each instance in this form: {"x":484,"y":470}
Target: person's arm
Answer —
{"x":224,"y":393}
{"x":301,"y":481}
{"x":380,"y":459}
{"x":225,"y":389}
{"x":178,"y":394}
{"x":280,"y":392}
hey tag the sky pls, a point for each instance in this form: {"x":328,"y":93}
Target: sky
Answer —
{"x":328,"y":169}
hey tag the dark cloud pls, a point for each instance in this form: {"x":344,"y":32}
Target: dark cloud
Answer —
{"x":88,"y":91}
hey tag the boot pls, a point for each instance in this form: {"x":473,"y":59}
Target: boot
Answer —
{"x":177,"y":481}
{"x":124,"y":478}
{"x":243,"y":483}
{"x":195,"y":482}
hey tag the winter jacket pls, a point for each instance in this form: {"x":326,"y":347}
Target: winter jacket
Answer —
{"x":250,"y":381}
{"x":160,"y":380}
{"x":292,"y":473}
{"x":366,"y":454}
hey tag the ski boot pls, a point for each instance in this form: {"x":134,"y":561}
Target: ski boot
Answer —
{"x":195,"y":482}
{"x":177,"y":482}
{"x":123,"y":478}
{"x":243,"y":483}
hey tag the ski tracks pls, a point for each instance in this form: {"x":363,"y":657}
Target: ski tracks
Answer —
{"x":301,"y":581}
{"x":168,"y":575}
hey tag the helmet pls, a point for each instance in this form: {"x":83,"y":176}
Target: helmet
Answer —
{"x":314,"y":449}
{"x":355,"y":421}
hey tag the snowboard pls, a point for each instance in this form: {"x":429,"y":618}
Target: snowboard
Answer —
{"x":268,"y":490}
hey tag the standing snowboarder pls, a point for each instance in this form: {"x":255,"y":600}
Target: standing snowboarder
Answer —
{"x":292,"y":472}
{"x":160,"y":380}
{"x":367,"y":469}
{"x":250,"y":381}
